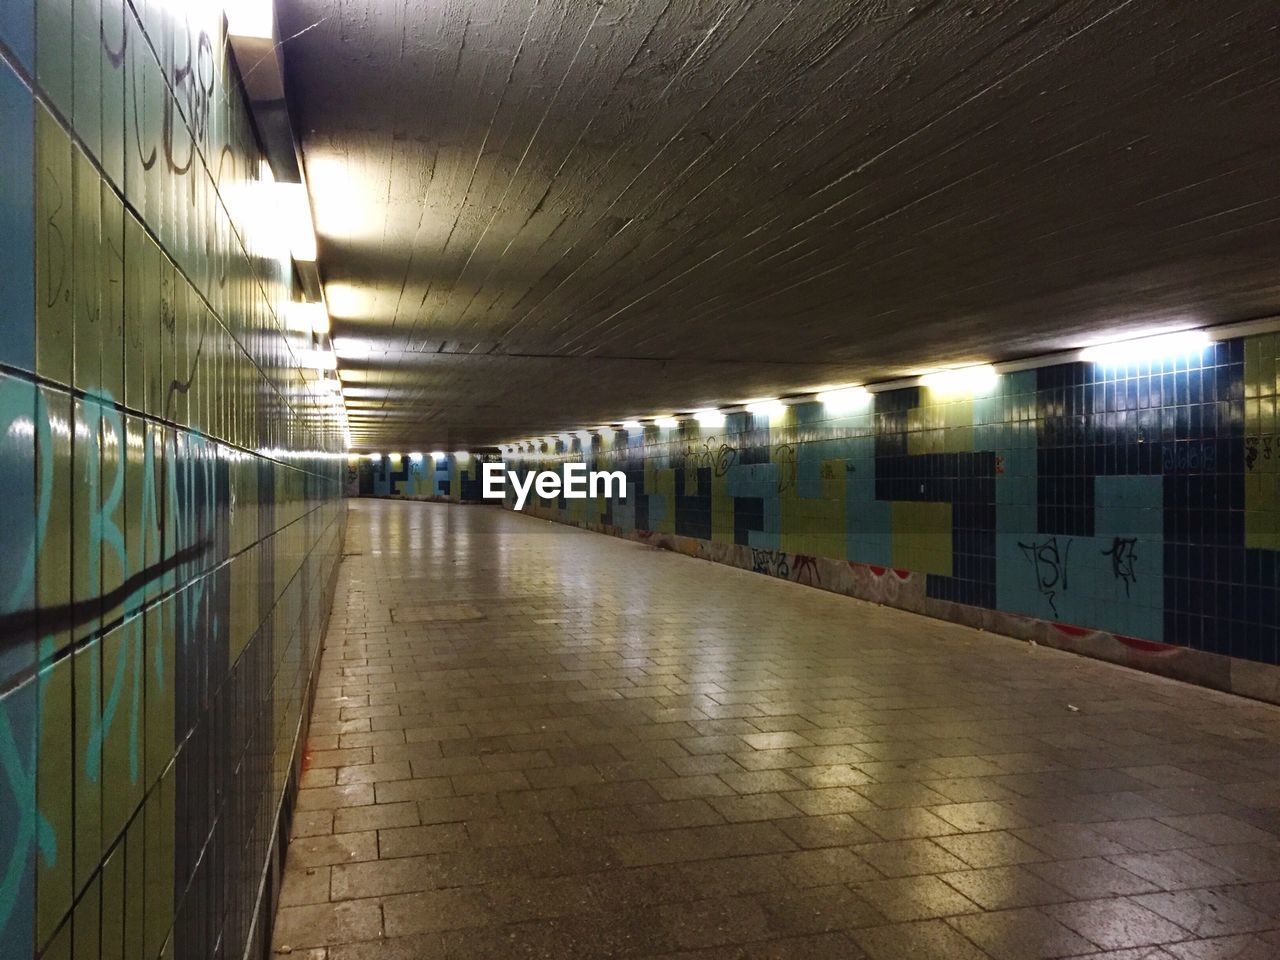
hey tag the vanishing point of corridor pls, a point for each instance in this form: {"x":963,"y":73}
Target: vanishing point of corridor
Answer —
{"x":534,"y":741}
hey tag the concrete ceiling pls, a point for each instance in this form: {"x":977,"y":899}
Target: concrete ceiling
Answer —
{"x":545,"y":215}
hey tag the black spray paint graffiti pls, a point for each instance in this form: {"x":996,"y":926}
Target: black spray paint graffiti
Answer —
{"x":772,"y":562}
{"x":1049,"y":562}
{"x":807,"y":570}
{"x":718,"y":461}
{"x":1255,"y":449}
{"x":1124,"y":558}
{"x":190,"y":75}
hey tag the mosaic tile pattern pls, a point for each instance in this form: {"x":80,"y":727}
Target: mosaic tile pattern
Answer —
{"x":449,"y":476}
{"x":1140,"y":502}
{"x":172,"y":523}
{"x":623,"y":752}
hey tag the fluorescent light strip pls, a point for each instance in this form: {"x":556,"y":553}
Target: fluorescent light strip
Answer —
{"x":767,"y":408}
{"x":710,"y":417}
{"x":974,"y":379}
{"x":1153,"y":350}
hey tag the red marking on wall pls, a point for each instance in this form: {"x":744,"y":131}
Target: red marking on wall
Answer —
{"x":1072,"y":631}
{"x":878,"y":571}
{"x":1146,"y":646}
{"x":902,"y":574}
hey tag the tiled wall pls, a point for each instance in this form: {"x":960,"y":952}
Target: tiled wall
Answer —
{"x":449,"y":476}
{"x":1129,"y":513}
{"x":171,"y":520}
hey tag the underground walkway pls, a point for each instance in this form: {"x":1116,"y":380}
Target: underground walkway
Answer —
{"x":533,"y":741}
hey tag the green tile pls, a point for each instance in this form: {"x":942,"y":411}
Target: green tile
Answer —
{"x":86,"y":501}
{"x":135,"y":485}
{"x":54,"y":236}
{"x":86,"y":298}
{"x":140,"y":258}
{"x":154,"y":92}
{"x":86,"y":930}
{"x":146,"y":323}
{"x":60,"y":947}
{"x":86,"y":20}
{"x":111,"y":279}
{"x":135,"y":889}
{"x":53,"y":563}
{"x":54,"y":778}
{"x":152,"y":496}
{"x":159,"y":858}
{"x":112,"y":450}
{"x":112,"y":942}
{"x":184,"y":309}
{"x":161,"y":340}
{"x":54,"y":51}
{"x":159,"y":686}
{"x":113,"y":60}
{"x":137,"y":145}
{"x":88,"y":786}
{"x":121,"y":727}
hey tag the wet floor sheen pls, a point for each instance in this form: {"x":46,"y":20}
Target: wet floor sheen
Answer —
{"x":533,"y":741}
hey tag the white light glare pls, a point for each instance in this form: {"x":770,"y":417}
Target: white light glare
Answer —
{"x":633,"y":425}
{"x":767,"y":408}
{"x":437,"y":454}
{"x":844,"y":399}
{"x":374,"y":456}
{"x":415,"y":456}
{"x":351,"y":349}
{"x":346,"y":205}
{"x":976,"y":379}
{"x":667,"y":423}
{"x":249,"y":18}
{"x":295,"y":213}
{"x":709,"y":417}
{"x":317,"y":360}
{"x":344,"y":300}
{"x":1123,"y":353}
{"x":302,"y":317}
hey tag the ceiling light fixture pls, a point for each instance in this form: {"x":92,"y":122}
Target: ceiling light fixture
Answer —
{"x":249,"y":18}
{"x":294,"y":210}
{"x":667,"y":423}
{"x":767,"y":408}
{"x":710,"y":417}
{"x":1153,"y":350}
{"x":345,"y":206}
{"x":976,"y":379}
{"x":845,"y":399}
{"x":344,"y":300}
{"x":317,"y":360}
{"x":306,"y":317}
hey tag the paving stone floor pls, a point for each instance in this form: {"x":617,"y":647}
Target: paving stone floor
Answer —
{"x":534,"y":741}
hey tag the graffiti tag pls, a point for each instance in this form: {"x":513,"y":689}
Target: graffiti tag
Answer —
{"x":1049,"y":561}
{"x":1124,"y":557}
